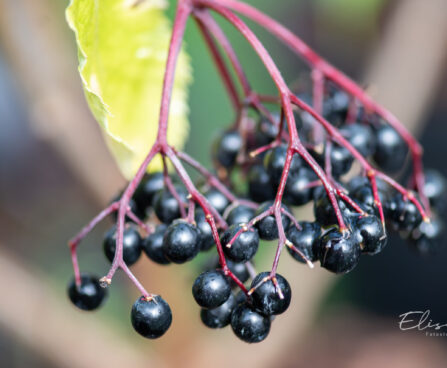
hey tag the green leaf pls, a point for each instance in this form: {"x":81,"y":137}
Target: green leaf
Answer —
{"x":122,"y":50}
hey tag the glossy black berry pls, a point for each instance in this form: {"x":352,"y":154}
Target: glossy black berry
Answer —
{"x":226,"y":148}
{"x":391,"y":149}
{"x":166,"y":206}
{"x":361,"y":137}
{"x":298,"y":190}
{"x":335,"y":107}
{"x":244,"y":247}
{"x":151,"y":318}
{"x":305,"y":240}
{"x":206,"y":240}
{"x":435,"y":189}
{"x":217,"y":200}
{"x":240,"y":215}
{"x":428,"y":237}
{"x":249,"y":325}
{"x":149,"y":185}
{"x":211,"y":289}
{"x":259,"y":187}
{"x":265,"y":297}
{"x":133,"y":207}
{"x":369,"y":234}
{"x":218,"y":317}
{"x":267,"y":227}
{"x":324,"y":211}
{"x":265,"y":132}
{"x":153,"y":245}
{"x":181,"y":242}
{"x":341,"y":160}
{"x":239,"y":269}
{"x":89,"y":295}
{"x":131,"y":244}
{"x":338,"y":253}
{"x":402,"y":214}
{"x":275,"y":160}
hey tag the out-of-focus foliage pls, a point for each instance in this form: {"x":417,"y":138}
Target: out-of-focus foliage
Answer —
{"x":122,"y":48}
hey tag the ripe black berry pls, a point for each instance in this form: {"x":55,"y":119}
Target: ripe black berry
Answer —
{"x":391,"y":149}
{"x":149,"y":185}
{"x":211,"y":289}
{"x":131,"y":244}
{"x":298,"y":191}
{"x":428,"y":237}
{"x":206,"y":240}
{"x":402,"y":214}
{"x":324,"y":211}
{"x":239,"y":269}
{"x":361,"y":137}
{"x":306,"y":240}
{"x":151,"y":318}
{"x":369,"y":234}
{"x":259,"y":186}
{"x":226,"y":148}
{"x":275,"y":160}
{"x":249,"y":325}
{"x":216,"y":200}
{"x":240,"y":215}
{"x":267,"y":227}
{"x":244,"y":247}
{"x":153,"y":245}
{"x":341,"y":160}
{"x":166,"y":206}
{"x":266,"y":298}
{"x":335,"y":107}
{"x":89,"y":295}
{"x":181,"y":242}
{"x":338,"y":253}
{"x":435,"y":190}
{"x":265,"y":132}
{"x":218,"y":317}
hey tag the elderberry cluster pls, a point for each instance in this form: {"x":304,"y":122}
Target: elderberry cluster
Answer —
{"x":230,"y":291}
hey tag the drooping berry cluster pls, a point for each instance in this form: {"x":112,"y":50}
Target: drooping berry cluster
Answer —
{"x":334,"y":147}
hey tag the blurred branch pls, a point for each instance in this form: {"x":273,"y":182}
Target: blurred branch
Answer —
{"x":40,"y":319}
{"x":44,"y":61}
{"x":405,"y":68}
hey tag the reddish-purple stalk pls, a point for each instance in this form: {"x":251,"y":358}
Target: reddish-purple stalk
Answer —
{"x":321,"y":70}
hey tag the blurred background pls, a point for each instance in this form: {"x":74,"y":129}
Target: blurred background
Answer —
{"x":56,"y":174}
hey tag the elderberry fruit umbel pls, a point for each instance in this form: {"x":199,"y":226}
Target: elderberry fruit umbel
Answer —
{"x":340,"y":157}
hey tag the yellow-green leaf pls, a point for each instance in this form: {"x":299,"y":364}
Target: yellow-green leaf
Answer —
{"x":122,"y":49}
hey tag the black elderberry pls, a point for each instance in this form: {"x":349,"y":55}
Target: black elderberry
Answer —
{"x":217,"y":200}
{"x":218,"y":317}
{"x":275,"y":160}
{"x":298,"y":190}
{"x":391,"y":149}
{"x":402,"y":214}
{"x":149,"y":185}
{"x":89,"y":295}
{"x":211,"y":289}
{"x":206,"y":240}
{"x":226,"y":148}
{"x":131,"y":244}
{"x":341,"y":160}
{"x":259,"y":186}
{"x":166,"y":206}
{"x":133,"y":207}
{"x":324,"y":211}
{"x":267,"y":227}
{"x":265,"y":132}
{"x":428,"y":237}
{"x":181,"y":242}
{"x":244,"y":247}
{"x":240,"y":215}
{"x":266,"y":298}
{"x":239,"y":269}
{"x":249,"y":325}
{"x":305,"y":240}
{"x":335,"y":107}
{"x":151,"y":318}
{"x":338,"y":253}
{"x":361,"y":137}
{"x":369,"y":233}
{"x":435,"y":189}
{"x":153,"y":245}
